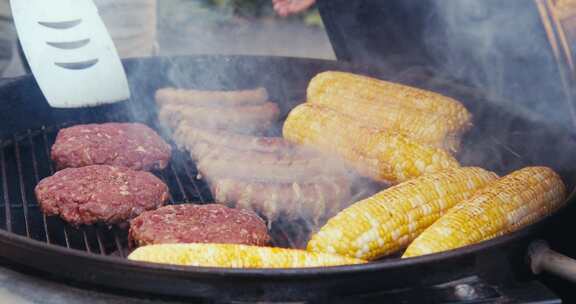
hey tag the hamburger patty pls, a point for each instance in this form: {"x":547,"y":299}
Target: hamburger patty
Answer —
{"x":100,"y":193}
{"x":130,"y":145}
{"x":191,"y":223}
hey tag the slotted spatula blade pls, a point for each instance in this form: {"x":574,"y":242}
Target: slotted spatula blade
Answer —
{"x":70,"y":52}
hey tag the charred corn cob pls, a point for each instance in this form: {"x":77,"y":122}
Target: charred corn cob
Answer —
{"x":341,"y":87}
{"x":389,"y":220}
{"x":379,"y":154}
{"x":508,"y":204}
{"x":236,"y":256}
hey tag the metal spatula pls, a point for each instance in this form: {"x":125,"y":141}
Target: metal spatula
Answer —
{"x":70,"y":52}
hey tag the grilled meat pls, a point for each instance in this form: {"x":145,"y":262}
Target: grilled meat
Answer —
{"x":100,"y":193}
{"x":267,"y":175}
{"x":247,"y":119}
{"x":130,"y":145}
{"x":191,"y":223}
{"x":200,"y":98}
{"x":188,"y":136}
{"x":289,"y":166}
{"x":312,"y":200}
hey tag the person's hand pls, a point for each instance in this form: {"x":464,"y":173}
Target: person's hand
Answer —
{"x":289,"y":7}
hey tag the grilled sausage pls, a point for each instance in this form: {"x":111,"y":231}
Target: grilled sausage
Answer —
{"x":242,"y":119}
{"x":187,"y":136}
{"x":211,"y":98}
{"x":314,"y":200}
{"x":282,"y":166}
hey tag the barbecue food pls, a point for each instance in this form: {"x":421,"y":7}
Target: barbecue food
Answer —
{"x":211,"y":98}
{"x":382,"y":155}
{"x":391,"y":219}
{"x":426,"y":128}
{"x":247,"y":119}
{"x":267,"y":175}
{"x":439,"y":121}
{"x":130,"y":145}
{"x":198,"y":224}
{"x":332,"y":88}
{"x":247,"y":112}
{"x":236,"y":256}
{"x":188,"y":136}
{"x":100,"y":193}
{"x":312,"y":200}
{"x":509,"y":204}
{"x":282,"y":166}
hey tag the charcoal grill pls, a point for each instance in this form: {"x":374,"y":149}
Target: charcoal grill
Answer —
{"x":390,"y":42}
{"x":96,"y":255}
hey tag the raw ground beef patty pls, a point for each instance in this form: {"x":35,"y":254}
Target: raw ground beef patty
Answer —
{"x":131,"y":145}
{"x":191,"y":223}
{"x":100,"y":193}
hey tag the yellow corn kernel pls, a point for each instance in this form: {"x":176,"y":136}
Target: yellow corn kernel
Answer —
{"x":236,"y":256}
{"x":509,"y":204}
{"x":380,"y":154}
{"x":347,"y":86}
{"x":426,"y":128}
{"x":390,"y":220}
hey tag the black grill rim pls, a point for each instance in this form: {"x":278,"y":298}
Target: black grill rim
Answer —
{"x":34,"y":245}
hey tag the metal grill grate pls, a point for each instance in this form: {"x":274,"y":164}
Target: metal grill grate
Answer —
{"x":25,"y":160}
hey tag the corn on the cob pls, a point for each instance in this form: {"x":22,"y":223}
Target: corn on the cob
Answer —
{"x":508,"y":204}
{"x":379,"y":154}
{"x":389,"y":220}
{"x":342,"y":87}
{"x":426,"y":128}
{"x":236,"y":256}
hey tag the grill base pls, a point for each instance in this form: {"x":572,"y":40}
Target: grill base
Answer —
{"x":38,"y":287}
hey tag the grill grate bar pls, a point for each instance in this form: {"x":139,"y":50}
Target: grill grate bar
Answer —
{"x":192,"y":180}
{"x":37,"y":179}
{"x":46,"y":147}
{"x":66,"y":237}
{"x":179,"y":183}
{"x":51,"y":171}
{"x":86,"y":242}
{"x":119,"y":245}
{"x":22,"y":186}
{"x":162,"y":176}
{"x":8,"y":213}
{"x":100,"y":243}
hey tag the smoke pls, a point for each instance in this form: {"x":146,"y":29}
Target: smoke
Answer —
{"x":501,"y":51}
{"x":496,"y":50}
{"x":501,"y":47}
